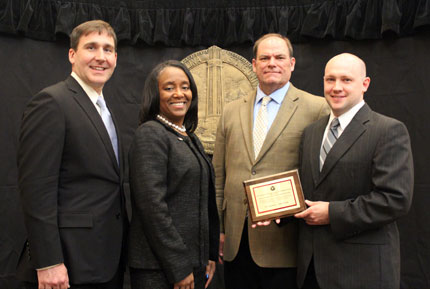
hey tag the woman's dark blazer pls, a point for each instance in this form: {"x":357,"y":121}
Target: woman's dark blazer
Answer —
{"x":175,"y":224}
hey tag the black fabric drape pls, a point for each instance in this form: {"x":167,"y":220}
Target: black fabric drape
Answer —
{"x":399,"y":69}
{"x":398,"y":65}
{"x":223,"y":23}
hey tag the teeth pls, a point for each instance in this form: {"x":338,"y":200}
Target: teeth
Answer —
{"x":178,"y":103}
{"x":99,"y":68}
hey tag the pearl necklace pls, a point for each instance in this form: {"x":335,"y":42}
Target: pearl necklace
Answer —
{"x":177,"y":127}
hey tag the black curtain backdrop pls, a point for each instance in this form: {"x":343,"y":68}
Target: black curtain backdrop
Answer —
{"x":392,"y":37}
{"x":223,"y":22}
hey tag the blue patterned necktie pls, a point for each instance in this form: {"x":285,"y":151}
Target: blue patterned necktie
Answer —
{"x":329,"y":141}
{"x":110,"y":127}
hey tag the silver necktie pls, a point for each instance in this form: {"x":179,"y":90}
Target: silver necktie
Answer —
{"x":110,"y":127}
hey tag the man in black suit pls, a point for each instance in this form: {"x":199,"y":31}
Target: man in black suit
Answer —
{"x":70,"y":175}
{"x":357,"y":176}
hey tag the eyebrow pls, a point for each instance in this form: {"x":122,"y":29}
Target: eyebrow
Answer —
{"x":339,"y":76}
{"x":98,"y":44}
{"x":276,"y":55}
{"x":173,"y":82}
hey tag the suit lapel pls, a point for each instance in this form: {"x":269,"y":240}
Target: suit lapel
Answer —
{"x":316,"y":141}
{"x":88,"y":107}
{"x":246,"y":113}
{"x":286,"y":111}
{"x":350,"y":135}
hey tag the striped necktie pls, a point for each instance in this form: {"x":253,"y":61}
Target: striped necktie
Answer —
{"x":329,"y":141}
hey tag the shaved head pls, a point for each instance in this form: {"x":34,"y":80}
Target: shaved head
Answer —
{"x":345,"y":82}
{"x":351,"y":60}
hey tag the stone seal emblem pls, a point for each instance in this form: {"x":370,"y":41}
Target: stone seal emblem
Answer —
{"x":221,"y":77}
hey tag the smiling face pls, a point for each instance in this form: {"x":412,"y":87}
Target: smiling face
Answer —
{"x":94,"y":60}
{"x":175,"y":94}
{"x":273,"y":64}
{"x":345,"y":82}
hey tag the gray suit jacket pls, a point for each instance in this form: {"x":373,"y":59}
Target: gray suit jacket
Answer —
{"x":234,"y":162}
{"x":175,"y":225}
{"x":368,"y":179}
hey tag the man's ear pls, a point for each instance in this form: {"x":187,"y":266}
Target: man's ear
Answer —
{"x":292,"y":63}
{"x":72,"y":54}
{"x":366,"y":83}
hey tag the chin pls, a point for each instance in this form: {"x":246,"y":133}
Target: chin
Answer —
{"x":272,"y":80}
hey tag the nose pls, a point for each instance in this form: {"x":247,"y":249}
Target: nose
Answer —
{"x":272,"y":61}
{"x":337,"y":86}
{"x":100,"y":54}
{"x":178,"y":92}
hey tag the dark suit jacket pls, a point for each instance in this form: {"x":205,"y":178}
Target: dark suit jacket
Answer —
{"x":175,"y":224}
{"x":70,"y":185}
{"x":368,"y":179}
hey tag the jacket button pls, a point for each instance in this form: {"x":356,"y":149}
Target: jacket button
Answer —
{"x":253,"y":173}
{"x":118,"y":215}
{"x":245,"y":201}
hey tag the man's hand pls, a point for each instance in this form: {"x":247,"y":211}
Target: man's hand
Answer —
{"x":210,"y":271}
{"x":316,"y":214}
{"x":221,"y":248}
{"x":264,"y":223}
{"x":186,"y":283}
{"x":54,"y":277}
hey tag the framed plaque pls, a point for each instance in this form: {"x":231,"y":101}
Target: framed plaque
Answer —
{"x":275,"y":196}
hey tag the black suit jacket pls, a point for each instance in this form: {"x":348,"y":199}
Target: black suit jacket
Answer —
{"x":368,"y":179}
{"x":70,"y":185}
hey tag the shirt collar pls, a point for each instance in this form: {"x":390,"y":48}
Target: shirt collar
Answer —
{"x":92,"y":94}
{"x":278,"y":95}
{"x":346,"y":117}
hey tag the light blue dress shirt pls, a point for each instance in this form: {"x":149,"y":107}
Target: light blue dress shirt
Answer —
{"x":273,"y":105}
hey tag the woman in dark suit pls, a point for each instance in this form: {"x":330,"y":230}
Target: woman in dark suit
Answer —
{"x":174,"y":232}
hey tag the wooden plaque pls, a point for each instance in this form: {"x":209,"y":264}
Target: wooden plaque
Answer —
{"x":275,"y":196}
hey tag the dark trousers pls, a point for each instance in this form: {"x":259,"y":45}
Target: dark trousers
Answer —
{"x":9,"y":282}
{"x":243,"y":273}
{"x":311,"y":281}
{"x":156,"y":279}
{"x":115,"y":283}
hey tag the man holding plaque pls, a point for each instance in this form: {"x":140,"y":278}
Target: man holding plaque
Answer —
{"x":356,"y":167}
{"x":258,"y":135}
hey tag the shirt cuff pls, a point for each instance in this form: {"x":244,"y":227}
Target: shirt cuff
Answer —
{"x":49,"y":267}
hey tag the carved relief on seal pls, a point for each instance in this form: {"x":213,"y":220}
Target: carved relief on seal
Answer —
{"x":221,"y":77}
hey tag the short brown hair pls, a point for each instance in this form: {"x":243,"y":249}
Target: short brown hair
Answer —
{"x":265,"y":36}
{"x":88,"y":27}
